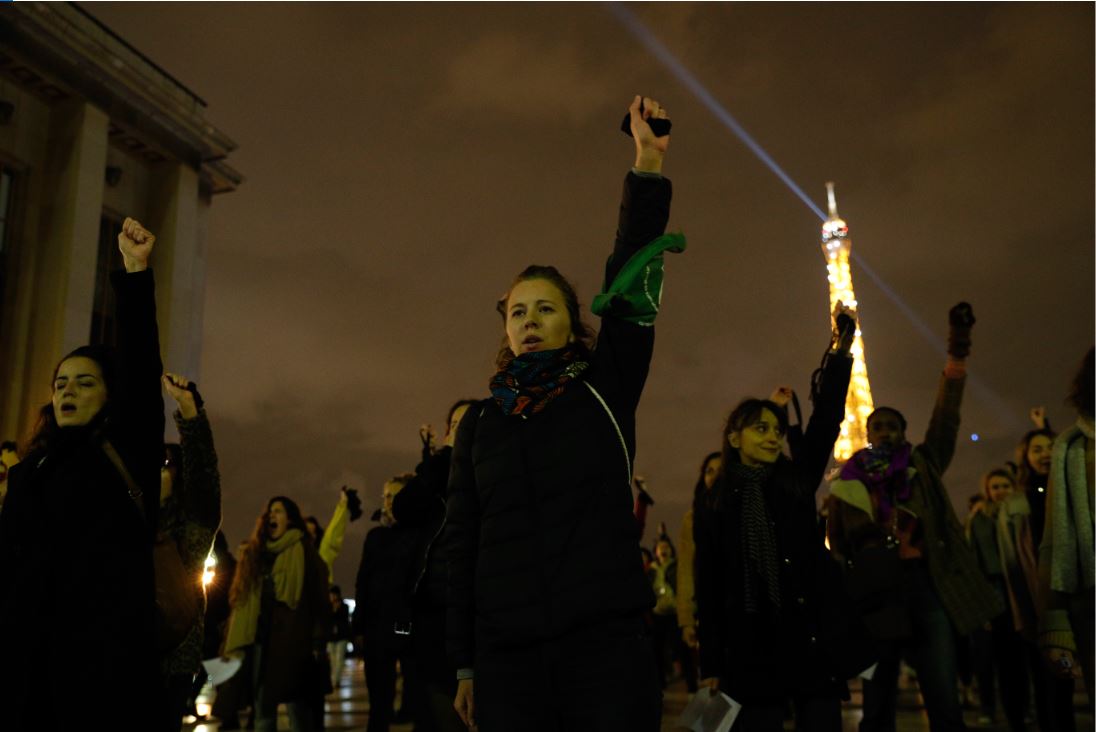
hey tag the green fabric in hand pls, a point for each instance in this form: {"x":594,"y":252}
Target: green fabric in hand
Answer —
{"x":635,"y":294}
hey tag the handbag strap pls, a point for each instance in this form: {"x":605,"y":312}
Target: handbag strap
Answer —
{"x":132,"y":488}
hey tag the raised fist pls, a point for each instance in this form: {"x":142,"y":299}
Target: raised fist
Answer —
{"x":781,"y":396}
{"x":649,"y":148}
{"x":961,"y":315}
{"x":177,"y":387}
{"x":135,"y":242}
{"x":961,"y":319}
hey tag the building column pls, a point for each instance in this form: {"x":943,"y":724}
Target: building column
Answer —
{"x":179,"y":261}
{"x":57,"y":284}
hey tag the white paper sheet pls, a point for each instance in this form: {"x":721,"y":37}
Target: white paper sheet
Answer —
{"x":868,"y":673}
{"x":221,"y":670}
{"x":709,"y":712}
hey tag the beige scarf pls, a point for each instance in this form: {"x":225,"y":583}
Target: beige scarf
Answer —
{"x":1072,"y":566}
{"x":1016,"y":549}
{"x":288,"y":576}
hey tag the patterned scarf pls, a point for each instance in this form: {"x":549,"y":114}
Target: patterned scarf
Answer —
{"x":527,"y":383}
{"x":758,"y":537}
{"x":884,"y":472}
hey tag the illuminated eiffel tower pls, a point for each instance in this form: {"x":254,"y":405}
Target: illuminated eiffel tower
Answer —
{"x":836,"y":246}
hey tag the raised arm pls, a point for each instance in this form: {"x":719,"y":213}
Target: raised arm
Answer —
{"x":814,"y":448}
{"x":202,"y":480}
{"x":943,"y":427}
{"x":331,"y":544}
{"x":632,"y":288}
{"x":645,"y":204}
{"x":137,"y":427}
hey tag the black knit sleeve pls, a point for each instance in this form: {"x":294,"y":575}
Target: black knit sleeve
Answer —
{"x":201,"y":479}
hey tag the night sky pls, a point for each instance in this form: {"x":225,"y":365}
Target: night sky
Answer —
{"x":404,"y":162}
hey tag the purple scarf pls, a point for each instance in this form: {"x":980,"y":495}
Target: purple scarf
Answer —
{"x":883,"y":471}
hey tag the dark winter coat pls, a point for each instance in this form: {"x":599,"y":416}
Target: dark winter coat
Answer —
{"x":76,"y":583}
{"x":340,"y":623}
{"x":421,"y":506}
{"x":291,"y":636}
{"x":540,"y":508}
{"x":384,"y":582}
{"x":964,"y":592}
{"x":815,"y":641}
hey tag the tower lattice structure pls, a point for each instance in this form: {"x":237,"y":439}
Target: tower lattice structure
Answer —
{"x":836,"y":247}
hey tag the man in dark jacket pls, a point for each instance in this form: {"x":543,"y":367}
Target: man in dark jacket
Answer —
{"x":382,"y":616}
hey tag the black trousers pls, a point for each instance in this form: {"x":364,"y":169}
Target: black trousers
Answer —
{"x":433,"y":682}
{"x":380,"y":680}
{"x":1053,"y":696}
{"x":669,"y":646}
{"x":812,"y":714}
{"x":600,"y":677}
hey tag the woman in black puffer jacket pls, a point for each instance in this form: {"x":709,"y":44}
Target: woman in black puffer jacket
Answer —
{"x":545,"y":592}
{"x":775,"y":623}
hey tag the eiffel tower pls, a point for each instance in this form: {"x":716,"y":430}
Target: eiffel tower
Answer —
{"x":836,"y":247}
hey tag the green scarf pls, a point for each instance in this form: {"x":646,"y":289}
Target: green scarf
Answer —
{"x":288,"y":576}
{"x":635,"y":294}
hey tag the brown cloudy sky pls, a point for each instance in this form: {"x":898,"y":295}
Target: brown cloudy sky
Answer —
{"x":404,"y":161}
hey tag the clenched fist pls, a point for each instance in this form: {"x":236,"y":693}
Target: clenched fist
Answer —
{"x":135,"y":242}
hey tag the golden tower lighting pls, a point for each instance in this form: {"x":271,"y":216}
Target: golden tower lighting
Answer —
{"x":836,"y":246}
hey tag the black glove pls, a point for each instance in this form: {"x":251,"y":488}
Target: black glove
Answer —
{"x":353,"y":503}
{"x":961,"y":320}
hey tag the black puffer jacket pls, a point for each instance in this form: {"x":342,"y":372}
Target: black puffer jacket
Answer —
{"x":816,"y":640}
{"x":543,"y":539}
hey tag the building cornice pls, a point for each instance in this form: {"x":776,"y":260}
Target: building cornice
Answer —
{"x":85,"y":55}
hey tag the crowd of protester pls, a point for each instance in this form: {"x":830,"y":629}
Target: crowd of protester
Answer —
{"x":506,"y":579}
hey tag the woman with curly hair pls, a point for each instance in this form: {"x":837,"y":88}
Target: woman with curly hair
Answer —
{"x":280,"y":615}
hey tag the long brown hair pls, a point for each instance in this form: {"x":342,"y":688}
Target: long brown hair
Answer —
{"x":249,"y":565}
{"x":1024,"y":473}
{"x":584,"y":335}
